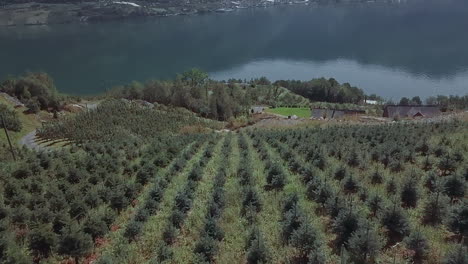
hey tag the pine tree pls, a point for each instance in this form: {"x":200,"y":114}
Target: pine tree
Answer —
{"x":419,"y":244}
{"x":206,"y":247}
{"x":375,"y":203}
{"x":376,"y":177}
{"x":454,"y":186}
{"x":435,"y":209}
{"x":458,"y":255}
{"x":317,"y":256}
{"x":74,"y":242}
{"x":391,"y":186}
{"x":396,"y":222}
{"x":212,"y":229}
{"x":132,"y":230}
{"x":305,"y":239}
{"x":350,"y":184}
{"x":344,"y":225}
{"x":364,"y":245}
{"x":458,"y":219}
{"x":409,"y":192}
{"x":42,"y":240}
{"x":257,"y":251}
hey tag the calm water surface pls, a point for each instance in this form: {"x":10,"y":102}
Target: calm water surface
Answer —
{"x":393,"y":50}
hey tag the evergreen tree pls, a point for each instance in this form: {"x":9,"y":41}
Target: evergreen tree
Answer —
{"x":344,"y":225}
{"x":418,"y":244}
{"x":458,"y":219}
{"x":364,"y":245}
{"x":458,"y":255}
{"x":317,"y":256}
{"x":257,"y":251}
{"x":454,"y":186}
{"x":74,"y":242}
{"x":409,"y":192}
{"x":305,"y":239}
{"x":435,"y":208}
{"x":395,"y":220}
{"x":206,"y":247}
{"x":42,"y":240}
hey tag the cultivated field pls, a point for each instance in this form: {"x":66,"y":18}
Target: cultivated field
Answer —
{"x":366,"y":194}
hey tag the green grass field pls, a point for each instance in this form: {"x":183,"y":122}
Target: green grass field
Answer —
{"x":286,"y":111}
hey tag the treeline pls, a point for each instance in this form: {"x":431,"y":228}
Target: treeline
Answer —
{"x":211,"y":99}
{"x":452,"y":102}
{"x":36,"y":90}
{"x":326,"y":90}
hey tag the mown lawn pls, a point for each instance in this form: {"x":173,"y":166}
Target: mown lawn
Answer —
{"x":287,"y":111}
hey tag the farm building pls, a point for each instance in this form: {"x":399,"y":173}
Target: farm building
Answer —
{"x":411,"y":111}
{"x":257,"y":109}
{"x":318,"y":113}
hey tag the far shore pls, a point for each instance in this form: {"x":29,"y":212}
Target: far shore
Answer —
{"x":27,"y":14}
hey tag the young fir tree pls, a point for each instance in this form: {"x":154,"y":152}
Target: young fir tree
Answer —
{"x":42,"y":240}
{"x":418,"y":243}
{"x":458,"y":255}
{"x":347,"y":222}
{"x":305,"y":239}
{"x":457,"y":221}
{"x":395,"y":220}
{"x":257,"y":251}
{"x":409,"y":192}
{"x":74,"y":242}
{"x":365,"y":244}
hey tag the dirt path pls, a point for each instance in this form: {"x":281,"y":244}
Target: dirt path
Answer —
{"x":30,"y":142}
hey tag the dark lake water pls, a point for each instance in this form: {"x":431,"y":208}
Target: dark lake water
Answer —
{"x":393,"y":50}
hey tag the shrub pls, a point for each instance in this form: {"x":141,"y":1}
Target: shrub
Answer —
{"x":33,"y":106}
{"x":12,"y":121}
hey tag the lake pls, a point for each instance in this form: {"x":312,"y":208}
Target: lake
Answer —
{"x":393,"y":50}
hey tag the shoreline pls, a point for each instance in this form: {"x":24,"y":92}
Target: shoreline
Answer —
{"x":35,"y":14}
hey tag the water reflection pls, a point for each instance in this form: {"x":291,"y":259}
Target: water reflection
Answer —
{"x":394,"y":50}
